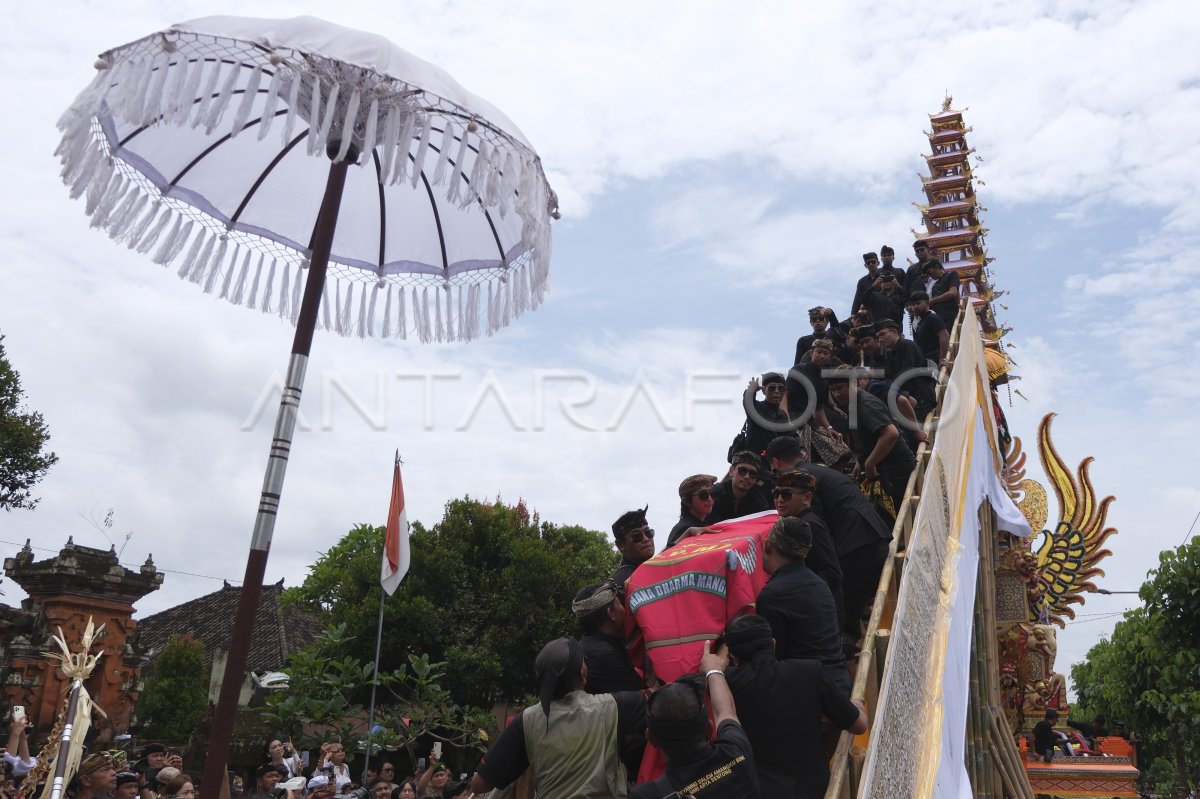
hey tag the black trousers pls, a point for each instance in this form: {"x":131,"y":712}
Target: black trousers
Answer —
{"x":860,"y":580}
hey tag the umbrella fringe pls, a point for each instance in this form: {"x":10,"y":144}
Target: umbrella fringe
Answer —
{"x":252,"y":296}
{"x":387,"y":312}
{"x":285,"y":292}
{"x":403,"y":144}
{"x":506,"y":311}
{"x":314,"y":116}
{"x":401,"y":314}
{"x":98,"y":187}
{"x":462,"y":330}
{"x":169,"y":98}
{"x":145,"y":241}
{"x":346,"y":324}
{"x":331,"y":108}
{"x":439,"y":172}
{"x":269,"y":291}
{"x":242,"y":114}
{"x":217,"y":263}
{"x":494,"y":178}
{"x":217,"y":110}
{"x":292,"y":101}
{"x":361,"y":330}
{"x":227,"y":284}
{"x":137,"y":230}
{"x":508,"y":184}
{"x":77,"y":172}
{"x":193,"y":253}
{"x":162,"y":257}
{"x":391,"y":132}
{"x":152,"y":101}
{"x":474,"y":191}
{"x":200,"y":111}
{"x":197,"y":273}
{"x":439,"y":298}
{"x":185,"y":100}
{"x":325,"y":308}
{"x":371,"y":312}
{"x":126,"y":212}
{"x":422,"y":150}
{"x":370,"y":132}
{"x":456,"y":180}
{"x":239,"y":288}
{"x":94,"y":180}
{"x":347,"y":133}
{"x":268,"y":112}
{"x":116,"y":191}
{"x":296,"y":293}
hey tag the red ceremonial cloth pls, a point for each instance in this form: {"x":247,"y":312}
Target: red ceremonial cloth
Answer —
{"x":686,"y":594}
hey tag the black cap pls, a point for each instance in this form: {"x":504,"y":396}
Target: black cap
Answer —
{"x":629,"y":520}
{"x":154,"y":748}
{"x":886,"y":250}
{"x":917,"y":296}
{"x":783,"y":447}
{"x":886,"y":324}
{"x":869,"y":256}
{"x":772,"y":377}
{"x":920,"y":243}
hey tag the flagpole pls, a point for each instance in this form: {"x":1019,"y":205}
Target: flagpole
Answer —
{"x":374,"y":683}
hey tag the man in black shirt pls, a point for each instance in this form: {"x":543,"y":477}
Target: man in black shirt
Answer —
{"x":678,"y":724}
{"x":570,"y":737}
{"x":765,"y":418}
{"x":695,"y":505}
{"x":780,"y":704}
{"x":905,"y":366}
{"x":1044,"y":739}
{"x":914,"y":276}
{"x":635,"y":542}
{"x":739,"y":494}
{"x":869,"y":282}
{"x":793,"y":495}
{"x":870,"y":354}
{"x":807,"y":392}
{"x":798,"y":604}
{"x":943,"y":292}
{"x":930,"y":332}
{"x":822,"y":321}
{"x":874,"y":437}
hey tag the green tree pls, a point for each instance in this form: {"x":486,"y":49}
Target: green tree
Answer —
{"x":24,"y":460}
{"x":488,"y":585}
{"x":1148,"y":673}
{"x":176,"y":693}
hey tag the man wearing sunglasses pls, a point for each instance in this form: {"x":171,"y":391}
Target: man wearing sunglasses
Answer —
{"x":695,"y":504}
{"x":635,"y":542}
{"x":739,"y":494}
{"x":793,"y":496}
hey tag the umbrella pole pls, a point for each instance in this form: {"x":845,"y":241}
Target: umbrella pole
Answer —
{"x":268,"y":505}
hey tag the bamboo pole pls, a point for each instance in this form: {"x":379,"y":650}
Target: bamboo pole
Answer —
{"x":1013,"y":770}
{"x":858,"y":757}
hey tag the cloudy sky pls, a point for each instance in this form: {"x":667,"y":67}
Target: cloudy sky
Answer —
{"x":721,"y":168}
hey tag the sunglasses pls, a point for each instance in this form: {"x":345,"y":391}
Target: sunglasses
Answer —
{"x":638,"y":536}
{"x":775,"y":387}
{"x":745,"y":471}
{"x":703,"y":494}
{"x":787,"y":493}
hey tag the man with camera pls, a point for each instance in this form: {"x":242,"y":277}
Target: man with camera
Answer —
{"x":17,"y":754}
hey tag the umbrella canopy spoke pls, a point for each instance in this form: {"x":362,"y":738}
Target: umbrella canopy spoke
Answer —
{"x":382,"y":207}
{"x":263,"y":175}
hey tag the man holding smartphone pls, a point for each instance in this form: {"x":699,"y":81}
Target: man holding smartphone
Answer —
{"x":17,"y":754}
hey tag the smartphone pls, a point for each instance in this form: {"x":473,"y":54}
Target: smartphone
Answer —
{"x":304,"y":758}
{"x":437,"y":749}
{"x":420,"y":764}
{"x":18,"y":712}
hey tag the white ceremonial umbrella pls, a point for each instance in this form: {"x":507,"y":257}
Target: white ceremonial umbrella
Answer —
{"x":254,"y":155}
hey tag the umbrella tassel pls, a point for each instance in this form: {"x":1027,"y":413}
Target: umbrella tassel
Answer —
{"x":369,"y":133}
{"x":193,"y":253}
{"x":461,"y":334}
{"x":266,"y":296}
{"x":456,"y":180}
{"x":228,"y":283}
{"x":439,"y":171}
{"x":491,"y":191}
{"x":314,"y":116}
{"x":217,"y":110}
{"x":337,"y":307}
{"x":387,"y":313}
{"x":491,"y":309}
{"x":285,"y":293}
{"x":403,"y":143}
{"x":205,"y":255}
{"x":206,"y":94}
{"x":186,"y":100}
{"x":478,"y":172}
{"x":391,"y":132}
{"x":248,"y":98}
{"x":422,"y":150}
{"x":168,"y":105}
{"x":80,"y":171}
{"x":152,"y":106}
{"x":426,"y":333}
{"x":507,"y":185}
{"x":129,"y":91}
{"x":254,"y":283}
{"x":98,"y":187}
{"x":296,"y":294}
{"x":401,"y":314}
{"x":111,"y":197}
{"x":325,"y":308}
{"x":163,"y":257}
{"x":344,"y":322}
{"x":439,"y":298}
{"x":371,"y":313}
{"x":331,"y":109}
{"x":137,"y":232}
{"x":239,"y":288}
{"x":348,"y":125}
{"x":129,"y":209}
{"x":362,"y":313}
{"x":147,"y":241}
{"x":293,"y":99}
{"x":268,"y":112}
{"x":216,"y":264}
{"x":506,"y":311}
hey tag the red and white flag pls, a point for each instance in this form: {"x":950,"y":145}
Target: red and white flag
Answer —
{"x":395,"y":544}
